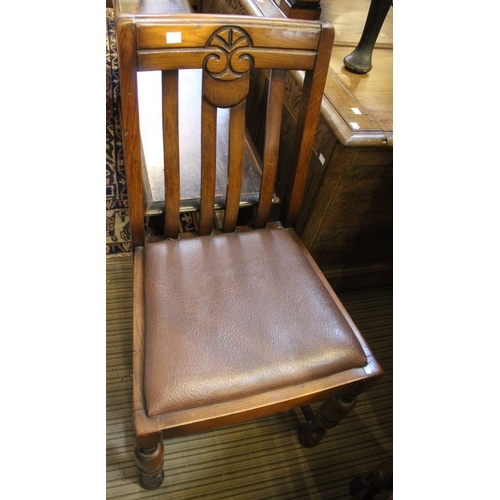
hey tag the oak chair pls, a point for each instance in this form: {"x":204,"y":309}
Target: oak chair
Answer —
{"x":236,"y":324}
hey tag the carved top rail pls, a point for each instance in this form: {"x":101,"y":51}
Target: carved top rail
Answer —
{"x":226,"y":48}
{"x":231,"y":49}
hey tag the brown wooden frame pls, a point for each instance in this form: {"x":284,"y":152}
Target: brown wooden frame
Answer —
{"x":227,"y":48}
{"x":144,"y":36}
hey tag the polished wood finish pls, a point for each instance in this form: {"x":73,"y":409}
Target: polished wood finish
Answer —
{"x":149,"y":89}
{"x":228,"y":49}
{"x":151,"y":57}
{"x":352,"y":158}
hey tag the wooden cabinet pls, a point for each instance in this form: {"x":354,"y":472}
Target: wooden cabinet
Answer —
{"x":347,"y":220}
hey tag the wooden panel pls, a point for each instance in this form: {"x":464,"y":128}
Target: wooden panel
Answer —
{"x":349,"y":226}
{"x":196,"y":35}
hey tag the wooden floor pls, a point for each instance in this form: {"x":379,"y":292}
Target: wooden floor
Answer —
{"x":258,"y":460}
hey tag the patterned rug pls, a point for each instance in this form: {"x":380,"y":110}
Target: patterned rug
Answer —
{"x":117,"y":216}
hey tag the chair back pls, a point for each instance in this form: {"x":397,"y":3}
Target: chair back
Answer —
{"x":226,"y":49}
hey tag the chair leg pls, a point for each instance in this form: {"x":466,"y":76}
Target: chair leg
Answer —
{"x":327,"y":416}
{"x":368,"y":485}
{"x":150,"y":464}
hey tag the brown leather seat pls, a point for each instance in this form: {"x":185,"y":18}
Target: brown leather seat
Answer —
{"x":226,"y":320}
{"x":240,"y":324}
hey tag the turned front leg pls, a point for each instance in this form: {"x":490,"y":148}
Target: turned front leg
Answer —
{"x":149,"y":460}
{"x":327,"y":416}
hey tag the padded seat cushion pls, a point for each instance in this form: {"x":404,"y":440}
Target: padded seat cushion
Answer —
{"x":232,"y":315}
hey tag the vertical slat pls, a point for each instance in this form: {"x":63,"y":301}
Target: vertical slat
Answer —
{"x":208,"y":159}
{"x":307,"y":121}
{"x":271,"y":145}
{"x":170,"y":91}
{"x":255,"y":103}
{"x":126,"y":37}
{"x":235,"y":165}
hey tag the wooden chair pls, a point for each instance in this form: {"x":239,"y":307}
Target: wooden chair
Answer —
{"x":236,"y":324}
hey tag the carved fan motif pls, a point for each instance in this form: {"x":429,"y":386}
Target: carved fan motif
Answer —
{"x":231,"y":59}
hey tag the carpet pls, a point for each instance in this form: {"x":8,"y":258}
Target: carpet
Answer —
{"x":118,"y":238}
{"x":117,"y":215}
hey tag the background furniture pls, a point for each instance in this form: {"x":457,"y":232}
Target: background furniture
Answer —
{"x":360,"y":59}
{"x":231,"y":326}
{"x":346,"y":219}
